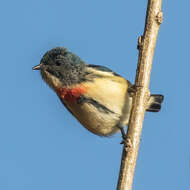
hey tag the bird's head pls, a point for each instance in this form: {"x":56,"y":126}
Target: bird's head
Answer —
{"x":59,"y":67}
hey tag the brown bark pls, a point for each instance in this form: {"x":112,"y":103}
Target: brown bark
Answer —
{"x":146,"y":46}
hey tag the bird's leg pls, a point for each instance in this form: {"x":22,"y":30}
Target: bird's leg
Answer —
{"x":131,"y":89}
{"x":121,"y":128}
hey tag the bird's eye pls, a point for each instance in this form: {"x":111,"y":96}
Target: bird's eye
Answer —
{"x":58,"y":63}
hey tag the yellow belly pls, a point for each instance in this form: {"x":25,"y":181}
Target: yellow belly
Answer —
{"x":111,"y":94}
{"x":100,"y":123}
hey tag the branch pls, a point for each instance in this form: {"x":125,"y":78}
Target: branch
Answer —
{"x":146,"y":45}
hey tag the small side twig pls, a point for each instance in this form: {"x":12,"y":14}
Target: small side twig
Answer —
{"x":146,"y":45}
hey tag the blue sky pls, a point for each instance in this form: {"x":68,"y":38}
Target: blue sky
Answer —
{"x":41,"y":145}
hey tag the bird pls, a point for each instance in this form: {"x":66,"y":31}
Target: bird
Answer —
{"x":100,"y":99}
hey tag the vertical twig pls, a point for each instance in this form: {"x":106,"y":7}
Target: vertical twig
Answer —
{"x":146,"y":45}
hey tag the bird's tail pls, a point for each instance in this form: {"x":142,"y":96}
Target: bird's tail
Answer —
{"x":154,"y":103}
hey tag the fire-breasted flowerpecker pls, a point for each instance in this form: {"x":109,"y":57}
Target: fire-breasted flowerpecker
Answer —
{"x":97,"y":97}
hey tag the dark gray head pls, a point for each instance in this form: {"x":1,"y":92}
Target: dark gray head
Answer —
{"x":61,"y":65}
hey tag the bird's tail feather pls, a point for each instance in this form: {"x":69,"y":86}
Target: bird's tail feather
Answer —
{"x":155,"y":101}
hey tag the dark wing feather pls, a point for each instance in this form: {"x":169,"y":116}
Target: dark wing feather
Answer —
{"x":102,"y":68}
{"x":95,"y":103}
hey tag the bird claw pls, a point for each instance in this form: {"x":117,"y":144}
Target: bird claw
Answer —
{"x":123,"y":142}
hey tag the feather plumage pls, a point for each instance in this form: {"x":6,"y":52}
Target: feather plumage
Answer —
{"x":99,"y":98}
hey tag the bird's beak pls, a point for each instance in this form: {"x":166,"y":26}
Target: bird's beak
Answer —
{"x":37,"y":67}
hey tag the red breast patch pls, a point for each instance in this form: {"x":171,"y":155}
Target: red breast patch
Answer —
{"x":71,"y":94}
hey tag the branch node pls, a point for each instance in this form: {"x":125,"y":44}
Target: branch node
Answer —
{"x":138,"y":86}
{"x":128,"y":145}
{"x":159,"y":17}
{"x":148,"y":93}
{"x":140,"y":42}
{"x":146,"y":45}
